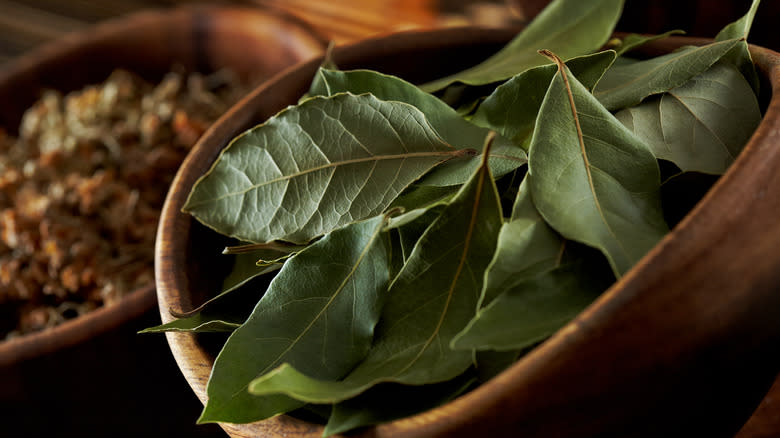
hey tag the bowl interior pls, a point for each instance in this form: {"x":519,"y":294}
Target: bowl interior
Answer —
{"x":150,"y":44}
{"x":584,"y":381}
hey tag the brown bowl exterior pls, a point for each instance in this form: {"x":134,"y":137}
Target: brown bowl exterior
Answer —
{"x":254,"y":43}
{"x":685,"y":344}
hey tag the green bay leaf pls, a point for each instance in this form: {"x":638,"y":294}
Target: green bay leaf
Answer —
{"x":526,"y":247}
{"x":451,"y":127}
{"x":244,"y":269}
{"x":391,"y":401}
{"x":634,"y":41}
{"x":626,"y":85}
{"x":315,"y":167}
{"x":430,"y":300}
{"x":701,"y":125}
{"x":201,"y":322}
{"x":532,"y":310}
{"x":319,"y":314}
{"x":591,"y":179}
{"x":740,"y":55}
{"x":567,"y":27}
{"x":413,"y":224}
{"x":421,"y":197}
{"x":229,"y":309}
{"x":512,"y":108}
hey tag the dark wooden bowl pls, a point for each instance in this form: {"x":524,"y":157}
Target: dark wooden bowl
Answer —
{"x":254,"y":43}
{"x":686,"y":344}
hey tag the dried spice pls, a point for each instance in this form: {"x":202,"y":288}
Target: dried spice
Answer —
{"x":82,"y":186}
{"x":464,"y":285}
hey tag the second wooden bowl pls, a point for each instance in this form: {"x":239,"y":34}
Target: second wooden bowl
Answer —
{"x":253,"y":43}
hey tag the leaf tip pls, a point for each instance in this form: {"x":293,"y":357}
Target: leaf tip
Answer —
{"x":553,"y":57}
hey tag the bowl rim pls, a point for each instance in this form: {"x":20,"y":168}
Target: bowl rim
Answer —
{"x":196,"y":365}
{"x":142,"y":299}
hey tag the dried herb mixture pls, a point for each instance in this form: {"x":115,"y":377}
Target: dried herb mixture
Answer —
{"x":82,"y":186}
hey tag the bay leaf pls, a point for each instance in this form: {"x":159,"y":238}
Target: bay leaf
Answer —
{"x":626,"y":85}
{"x":410,"y":225}
{"x":430,"y":300}
{"x":395,"y":252}
{"x":227,"y":310}
{"x":700,"y":126}
{"x":567,"y":27}
{"x":391,"y":401}
{"x":526,"y":247}
{"x":315,"y":167}
{"x":512,"y":108}
{"x":449,"y":125}
{"x":740,"y":55}
{"x":591,"y":179}
{"x":421,"y":197}
{"x":634,"y":41}
{"x":411,"y":231}
{"x":244,"y":269}
{"x":532,"y":310}
{"x":200,"y":322}
{"x":319,"y":314}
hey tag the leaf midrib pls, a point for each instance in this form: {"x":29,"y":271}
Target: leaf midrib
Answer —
{"x":329,"y":302}
{"x":456,"y":277}
{"x":324,"y":308}
{"x":584,"y":154}
{"x":687,"y":107}
{"x":330,"y":165}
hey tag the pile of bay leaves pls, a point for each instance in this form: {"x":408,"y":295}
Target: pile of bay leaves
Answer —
{"x":423,"y":238}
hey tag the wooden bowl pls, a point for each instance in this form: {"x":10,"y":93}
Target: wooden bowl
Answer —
{"x":255,"y":44}
{"x":685,"y":344}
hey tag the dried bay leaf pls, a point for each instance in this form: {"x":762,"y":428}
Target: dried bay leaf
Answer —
{"x":533,"y":309}
{"x":390,"y":401}
{"x":701,"y":125}
{"x":201,"y":322}
{"x":634,"y":41}
{"x":626,"y":85}
{"x":244,"y":269}
{"x":512,"y":108}
{"x":526,"y":247}
{"x":591,"y":179}
{"x":430,"y":301}
{"x":740,"y":55}
{"x":421,"y":197}
{"x":228,"y":310}
{"x":395,"y":252}
{"x":315,"y":167}
{"x":567,"y":27}
{"x":413,"y":224}
{"x":319,"y":314}
{"x":505,"y":155}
